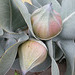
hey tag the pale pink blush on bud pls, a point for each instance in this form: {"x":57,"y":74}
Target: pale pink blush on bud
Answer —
{"x":55,"y":26}
{"x":31,"y":54}
{"x":46,"y":23}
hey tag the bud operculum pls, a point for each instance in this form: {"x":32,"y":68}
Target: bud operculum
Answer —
{"x":46,"y":22}
{"x":31,"y":54}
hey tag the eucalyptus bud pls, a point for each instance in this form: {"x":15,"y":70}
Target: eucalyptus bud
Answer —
{"x":46,"y":22}
{"x":31,"y":54}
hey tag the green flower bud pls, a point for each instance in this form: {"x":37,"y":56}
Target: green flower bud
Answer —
{"x":46,"y":22}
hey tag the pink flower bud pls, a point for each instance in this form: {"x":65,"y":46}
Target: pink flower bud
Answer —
{"x":46,"y":22}
{"x":31,"y":54}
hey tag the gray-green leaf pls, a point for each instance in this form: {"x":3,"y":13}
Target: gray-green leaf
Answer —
{"x":57,"y":51}
{"x":68,"y":27}
{"x":68,"y":47}
{"x":45,"y":65}
{"x":16,"y":65}
{"x":60,"y":1}
{"x":8,"y":58}
{"x":10,"y":17}
{"x":9,"y":43}
{"x":54,"y":66}
{"x":68,"y":7}
{"x":35,"y":3}
{"x":1,"y":32}
{"x":31,"y":8}
{"x":26,"y":15}
{"x":1,"y":51}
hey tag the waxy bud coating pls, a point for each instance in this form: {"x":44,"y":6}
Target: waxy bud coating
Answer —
{"x":46,"y":22}
{"x":31,"y":54}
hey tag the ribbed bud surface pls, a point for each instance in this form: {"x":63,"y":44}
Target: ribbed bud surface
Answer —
{"x":46,"y":22}
{"x":31,"y":54}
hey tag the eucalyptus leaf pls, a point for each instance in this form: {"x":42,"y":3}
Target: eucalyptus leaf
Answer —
{"x":57,"y":38}
{"x":68,"y":47}
{"x":16,"y":36}
{"x":68,"y":27}
{"x":60,"y":1}
{"x":57,"y":51}
{"x":24,"y":11}
{"x":8,"y":58}
{"x":9,"y":43}
{"x":43,"y":66}
{"x":35,"y":3}
{"x":3,"y":42}
{"x":31,"y":8}
{"x":1,"y":32}
{"x":68,"y":7}
{"x":54,"y":66}
{"x":16,"y":65}
{"x":43,"y":2}
{"x":1,"y":51}
{"x":10,"y":39}
{"x":23,"y":37}
{"x":10,"y":17}
{"x":55,"y":4}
